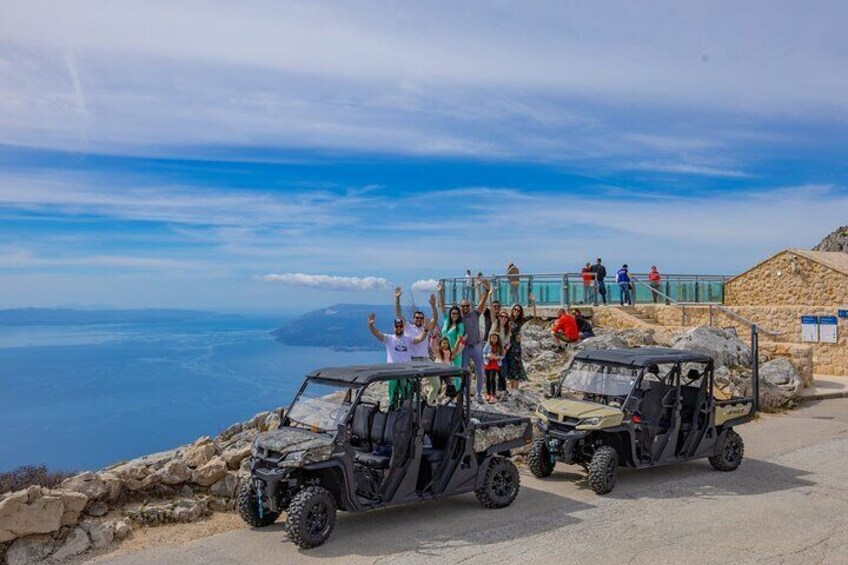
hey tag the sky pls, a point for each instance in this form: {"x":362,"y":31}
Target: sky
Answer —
{"x":281,"y":156}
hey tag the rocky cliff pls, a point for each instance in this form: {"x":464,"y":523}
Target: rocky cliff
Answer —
{"x":836,"y":241}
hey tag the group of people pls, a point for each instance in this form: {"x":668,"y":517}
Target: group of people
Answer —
{"x":484,"y":337}
{"x":595,"y":290}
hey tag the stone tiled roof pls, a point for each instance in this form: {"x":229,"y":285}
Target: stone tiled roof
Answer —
{"x":830,"y":259}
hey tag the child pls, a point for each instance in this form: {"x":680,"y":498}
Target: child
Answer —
{"x":446,"y":355}
{"x":493,"y":354}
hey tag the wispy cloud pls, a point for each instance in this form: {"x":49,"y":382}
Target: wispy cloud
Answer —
{"x":329,"y":282}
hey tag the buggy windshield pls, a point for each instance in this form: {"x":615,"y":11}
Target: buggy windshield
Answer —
{"x":606,"y":380}
{"x":321,"y":407}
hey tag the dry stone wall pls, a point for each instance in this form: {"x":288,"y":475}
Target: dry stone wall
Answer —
{"x":788,"y":279}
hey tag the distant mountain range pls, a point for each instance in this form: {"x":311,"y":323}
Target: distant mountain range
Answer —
{"x":341,"y":326}
{"x":71,"y":316}
{"x":835,"y":241}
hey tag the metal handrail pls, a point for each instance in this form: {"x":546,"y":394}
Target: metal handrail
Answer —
{"x":721,"y":308}
{"x":668,"y":299}
{"x":743,"y":319}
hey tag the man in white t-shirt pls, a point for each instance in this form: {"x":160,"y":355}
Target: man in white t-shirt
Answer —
{"x":398,"y":344}
{"x":419,"y":325}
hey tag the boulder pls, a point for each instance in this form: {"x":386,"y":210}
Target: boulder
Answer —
{"x":258,"y":420}
{"x":101,"y":533}
{"x":233,"y":457}
{"x":73,"y":503}
{"x":174,"y":472}
{"x":226,"y":487}
{"x":210,"y":473}
{"x":30,"y":550}
{"x":230,"y":432}
{"x":28,"y":512}
{"x":272,"y":422}
{"x":114,"y":486}
{"x":606,"y":341}
{"x":200,"y":453}
{"x":780,"y":385}
{"x":122,"y":529}
{"x":97,"y":509}
{"x":75,"y":543}
{"x":720,"y":344}
{"x":88,"y":483}
{"x":637,"y":337}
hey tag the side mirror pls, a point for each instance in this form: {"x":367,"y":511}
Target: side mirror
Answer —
{"x":342,"y":434}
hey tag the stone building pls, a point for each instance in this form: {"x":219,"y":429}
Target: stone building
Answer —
{"x":794,"y":277}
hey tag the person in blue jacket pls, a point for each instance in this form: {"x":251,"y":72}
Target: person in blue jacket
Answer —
{"x":622,"y":277}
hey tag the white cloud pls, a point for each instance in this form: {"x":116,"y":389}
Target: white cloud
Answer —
{"x":425,"y":285}
{"x":425,"y":79}
{"x":329,"y":282}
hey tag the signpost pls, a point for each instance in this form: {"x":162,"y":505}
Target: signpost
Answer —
{"x":809,"y":328}
{"x":828,"y":329}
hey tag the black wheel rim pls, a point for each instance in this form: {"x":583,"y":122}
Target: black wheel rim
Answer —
{"x":609,"y":475}
{"x":317,"y":519}
{"x":732,"y":451}
{"x":502,"y":483}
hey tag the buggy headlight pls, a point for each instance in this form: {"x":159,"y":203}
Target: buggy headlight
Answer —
{"x":591,"y":421}
{"x":294,"y":456}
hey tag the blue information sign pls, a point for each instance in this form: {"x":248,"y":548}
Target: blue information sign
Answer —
{"x":843,"y":313}
{"x":827,"y":320}
{"x":809,"y":319}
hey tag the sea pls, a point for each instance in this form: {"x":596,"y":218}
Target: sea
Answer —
{"x":80,"y":397}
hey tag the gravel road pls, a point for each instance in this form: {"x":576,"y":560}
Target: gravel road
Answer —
{"x":786,"y":504}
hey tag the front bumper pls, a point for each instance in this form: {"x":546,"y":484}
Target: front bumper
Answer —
{"x":561,"y":440}
{"x":272,"y":478}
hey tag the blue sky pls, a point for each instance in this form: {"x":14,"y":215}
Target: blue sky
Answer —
{"x":177,"y":154}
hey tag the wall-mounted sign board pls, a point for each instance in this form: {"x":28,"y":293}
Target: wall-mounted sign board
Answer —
{"x":828,"y":329}
{"x":843,"y":313}
{"x":809,"y":328}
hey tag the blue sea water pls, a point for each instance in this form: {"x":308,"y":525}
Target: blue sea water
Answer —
{"x":82,"y":397}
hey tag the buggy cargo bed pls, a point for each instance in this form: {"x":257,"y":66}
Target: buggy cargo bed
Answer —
{"x":495,"y":432}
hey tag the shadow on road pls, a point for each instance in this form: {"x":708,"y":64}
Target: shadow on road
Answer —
{"x":428,"y":528}
{"x":698,"y":479}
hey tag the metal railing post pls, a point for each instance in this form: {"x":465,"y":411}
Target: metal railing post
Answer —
{"x":529,"y":288}
{"x":696,"y":289}
{"x":667,"y":291}
{"x":567,"y":298}
{"x":755,"y":366}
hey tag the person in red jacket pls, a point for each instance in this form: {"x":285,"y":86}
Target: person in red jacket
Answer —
{"x":564,"y":330}
{"x":654,"y":279}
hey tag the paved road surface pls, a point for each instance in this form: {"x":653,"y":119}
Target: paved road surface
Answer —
{"x":787,"y":503}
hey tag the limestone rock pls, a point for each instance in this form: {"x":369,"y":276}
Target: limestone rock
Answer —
{"x":174,"y":472}
{"x":258,"y":420}
{"x":272,"y":422}
{"x":210,"y":473}
{"x":606,"y":341}
{"x":226,"y":487}
{"x":75,"y":543}
{"x":101,"y":533}
{"x":230,"y":432}
{"x":30,"y":512}
{"x":233,"y":457}
{"x":200,"y":453}
{"x":122,"y":529}
{"x":73,"y":503}
{"x":835,"y":241}
{"x":720,"y":344}
{"x":97,"y":509}
{"x":30,"y":550}
{"x":114,"y":486}
{"x":88,"y":483}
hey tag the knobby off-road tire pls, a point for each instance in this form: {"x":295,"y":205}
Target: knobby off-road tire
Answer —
{"x":500,"y":485}
{"x":539,"y":458}
{"x":248,"y":507}
{"x":603,"y":469}
{"x":311,"y":517}
{"x":729,"y":452}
